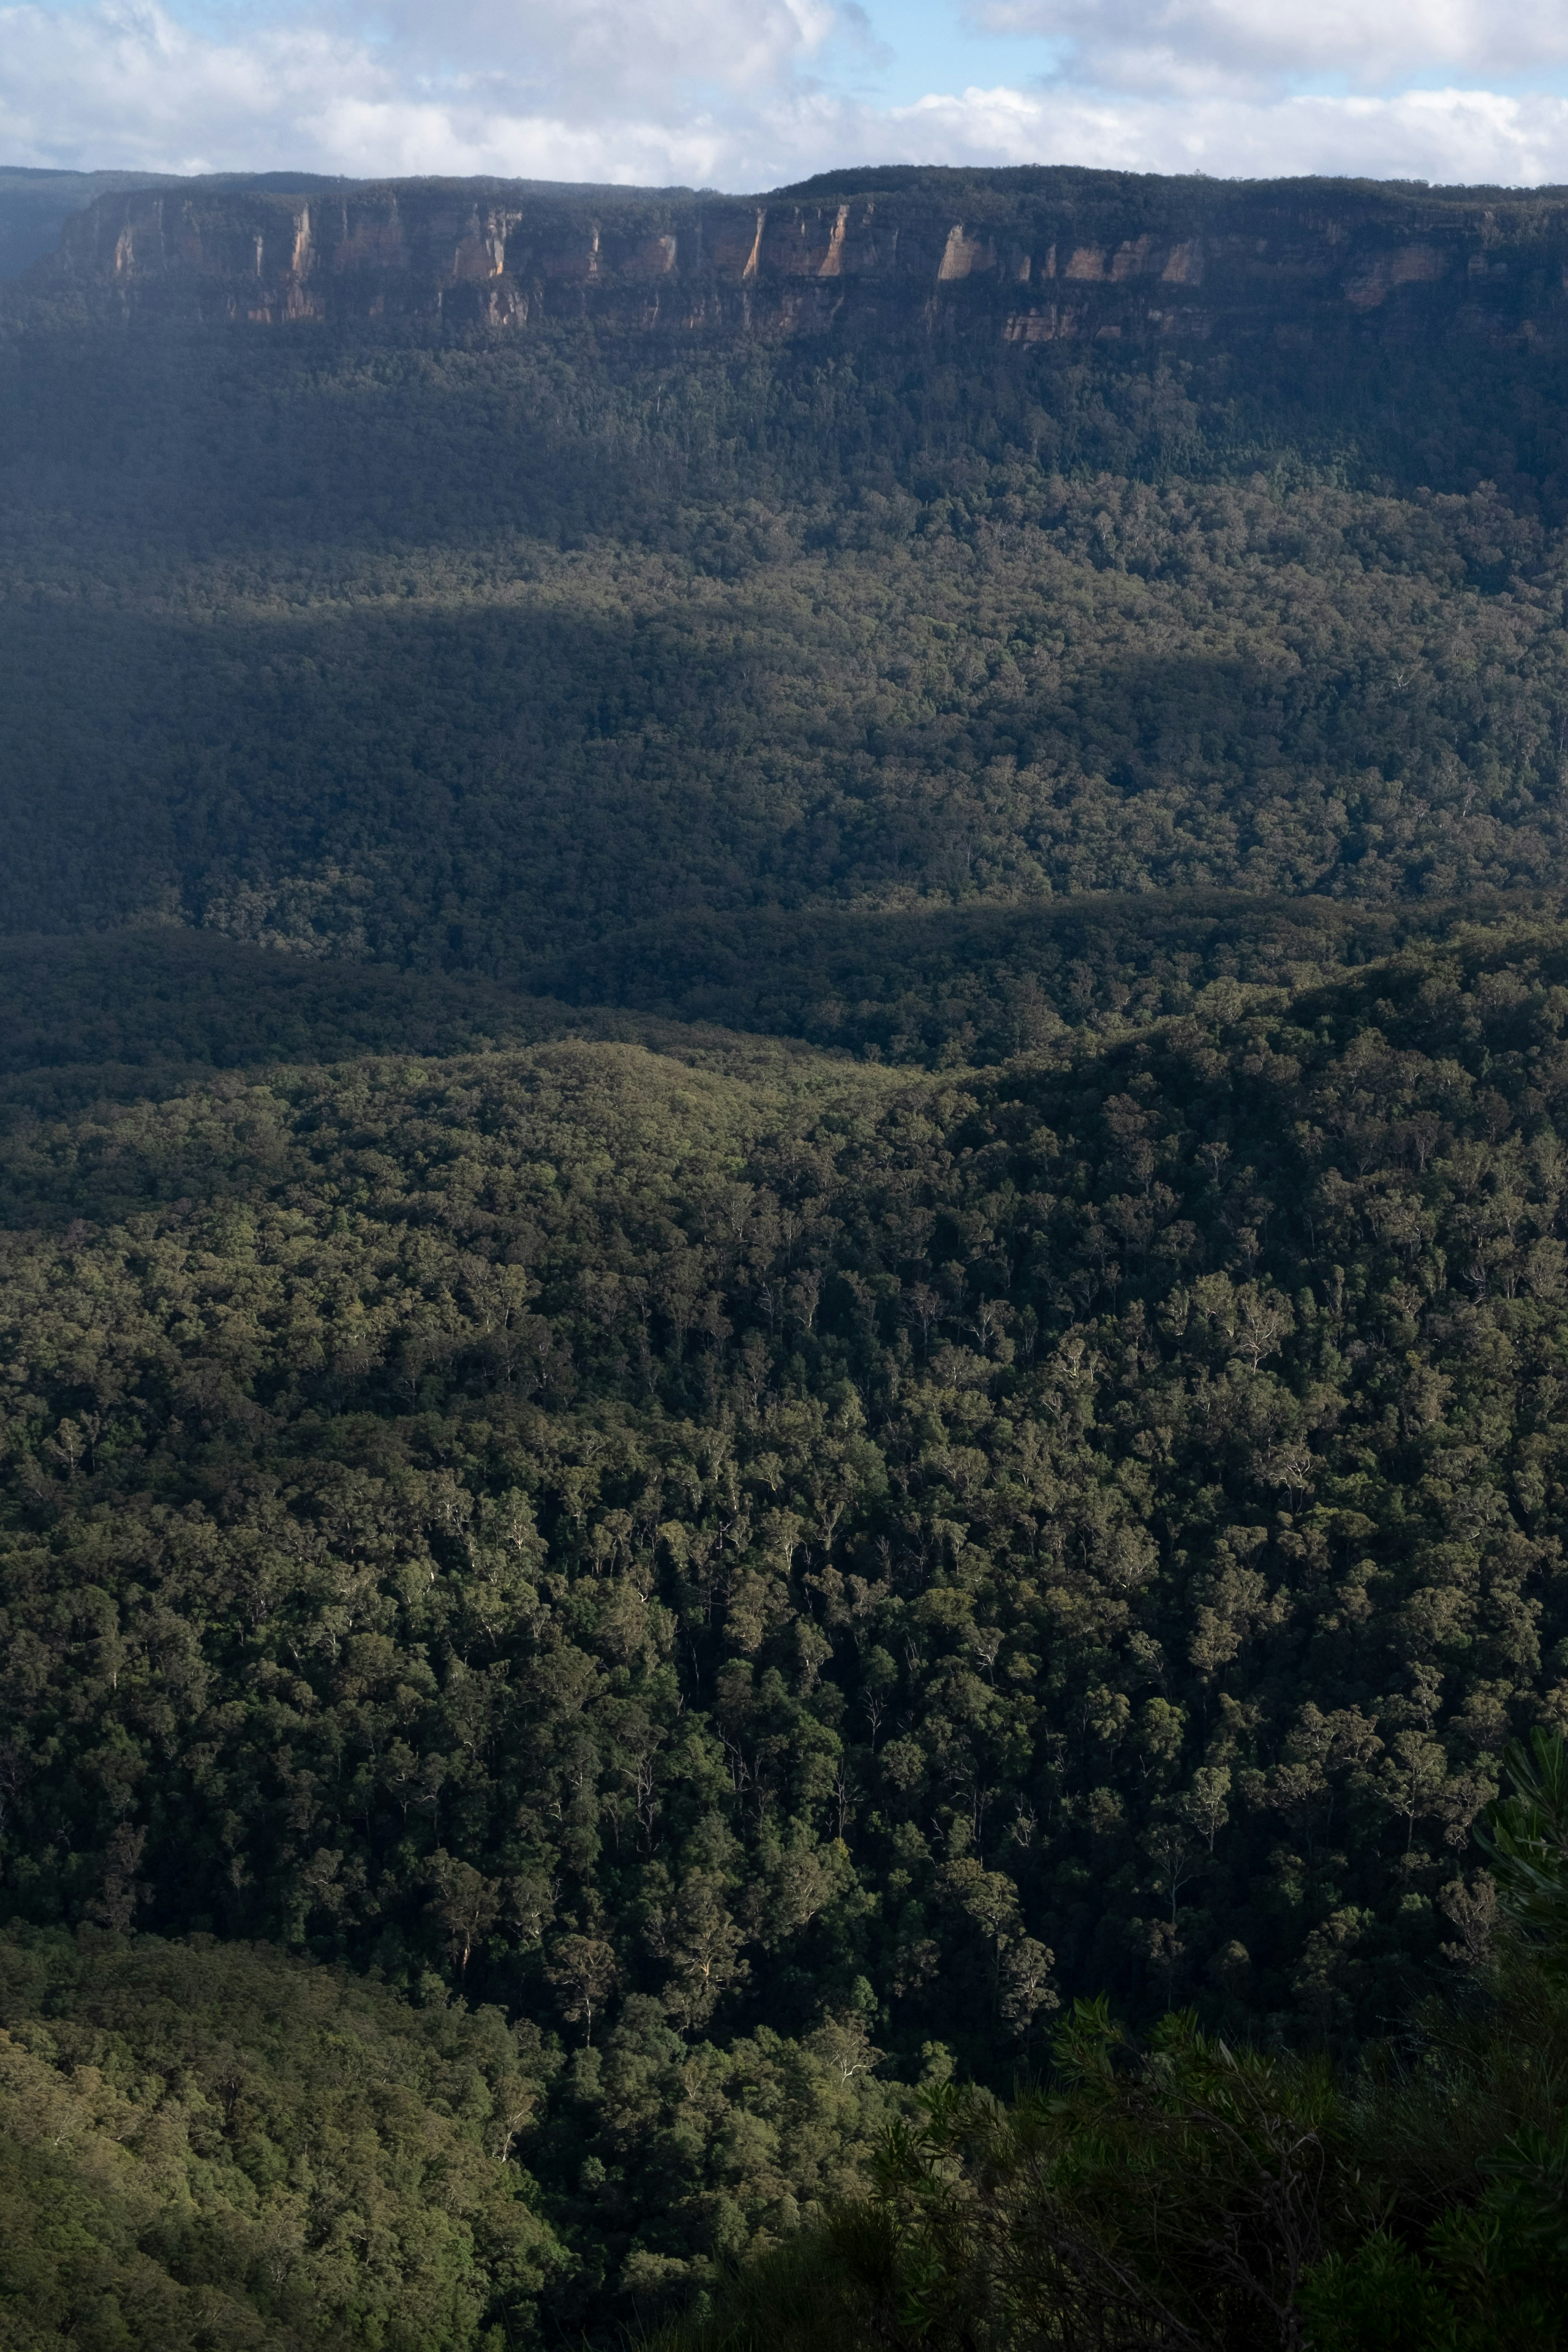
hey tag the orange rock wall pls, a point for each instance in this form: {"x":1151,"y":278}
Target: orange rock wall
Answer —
{"x":1037,"y":256}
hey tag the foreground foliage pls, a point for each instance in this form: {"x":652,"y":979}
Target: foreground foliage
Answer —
{"x":756,"y":1560}
{"x":1182,"y":2193}
{"x":214,"y":2146}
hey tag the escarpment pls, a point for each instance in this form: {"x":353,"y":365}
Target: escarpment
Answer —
{"x":1008,"y":258}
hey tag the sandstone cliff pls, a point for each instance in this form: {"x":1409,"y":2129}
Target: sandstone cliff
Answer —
{"x":1016,"y":257}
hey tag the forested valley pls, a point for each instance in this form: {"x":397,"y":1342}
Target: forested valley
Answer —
{"x":784,"y":1260}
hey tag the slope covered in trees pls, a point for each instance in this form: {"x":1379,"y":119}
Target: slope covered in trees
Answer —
{"x":783,"y":1276}
{"x":698,"y":1545}
{"x":466,"y":648}
{"x":1178,"y":2191}
{"x":213,"y":2147}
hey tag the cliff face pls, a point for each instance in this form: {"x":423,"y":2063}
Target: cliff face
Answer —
{"x":1017,"y":257}
{"x":36,"y":205}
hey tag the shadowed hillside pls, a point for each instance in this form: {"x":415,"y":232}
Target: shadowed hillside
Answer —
{"x":783,"y":1265}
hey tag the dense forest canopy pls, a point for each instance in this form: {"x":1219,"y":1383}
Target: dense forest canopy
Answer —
{"x":463,"y":650}
{"x":604,"y":694}
{"x":784,"y":1262}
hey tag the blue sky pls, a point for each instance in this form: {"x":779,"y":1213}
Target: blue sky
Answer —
{"x":931,"y":44}
{"x":906,"y":52}
{"x":746,"y":94}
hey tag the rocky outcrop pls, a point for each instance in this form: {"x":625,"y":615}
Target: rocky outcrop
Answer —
{"x":1015,"y":257}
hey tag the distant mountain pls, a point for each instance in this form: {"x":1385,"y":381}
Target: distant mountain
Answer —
{"x":36,"y":205}
{"x":456,"y":574}
{"x":1024,"y":257}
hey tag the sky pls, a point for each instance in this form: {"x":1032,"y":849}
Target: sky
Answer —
{"x":752,"y":94}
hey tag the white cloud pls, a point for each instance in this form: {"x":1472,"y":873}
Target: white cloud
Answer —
{"x":598,"y":90}
{"x":404,"y":139}
{"x":1449,"y":136}
{"x":127,"y":85}
{"x":590,"y":52}
{"x":1186,"y":44}
{"x":714,"y":92}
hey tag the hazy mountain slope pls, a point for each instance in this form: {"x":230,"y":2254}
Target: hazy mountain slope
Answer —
{"x":465,"y":645}
{"x":35,"y":206}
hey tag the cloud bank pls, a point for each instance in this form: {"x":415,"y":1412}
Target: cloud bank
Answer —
{"x":1188,"y":46}
{"x":750,"y":93}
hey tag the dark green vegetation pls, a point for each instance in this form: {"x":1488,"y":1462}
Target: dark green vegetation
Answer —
{"x":466,"y":653}
{"x":210,"y":2145}
{"x":659,"y":1587}
{"x":703,"y":1544}
{"x":444,"y":737}
{"x":1184,"y":2193}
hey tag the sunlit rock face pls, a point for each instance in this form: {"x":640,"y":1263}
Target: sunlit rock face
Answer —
{"x":1015,"y":257}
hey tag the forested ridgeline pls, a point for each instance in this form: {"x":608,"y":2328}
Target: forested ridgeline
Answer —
{"x":698,"y":1546}
{"x":154,"y":1010}
{"x":939,"y":985}
{"x":149,"y":1012}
